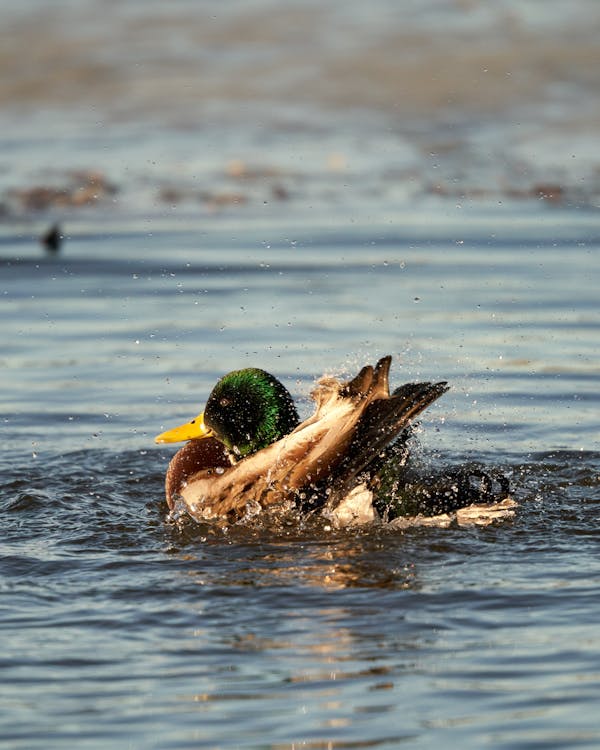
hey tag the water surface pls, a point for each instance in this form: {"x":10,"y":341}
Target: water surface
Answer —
{"x":121,"y":628}
{"x":305,"y":189}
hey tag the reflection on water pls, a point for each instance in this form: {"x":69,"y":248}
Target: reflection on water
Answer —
{"x":336,"y":562}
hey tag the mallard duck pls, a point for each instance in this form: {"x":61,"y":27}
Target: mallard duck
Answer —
{"x":248,"y":447}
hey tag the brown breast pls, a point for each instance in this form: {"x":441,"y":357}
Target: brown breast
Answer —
{"x":196,"y":455}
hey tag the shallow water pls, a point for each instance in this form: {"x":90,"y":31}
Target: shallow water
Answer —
{"x":306,"y":189}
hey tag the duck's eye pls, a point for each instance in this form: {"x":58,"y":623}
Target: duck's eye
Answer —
{"x":224,"y":402}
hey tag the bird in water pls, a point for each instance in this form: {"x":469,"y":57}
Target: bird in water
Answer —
{"x":52,"y":239}
{"x":248,"y":448}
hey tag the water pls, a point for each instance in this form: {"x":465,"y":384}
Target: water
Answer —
{"x":119,"y":628}
{"x":304,"y":234}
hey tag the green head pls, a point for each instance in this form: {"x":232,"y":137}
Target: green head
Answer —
{"x":249,"y":409}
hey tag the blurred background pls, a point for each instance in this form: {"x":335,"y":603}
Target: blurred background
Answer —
{"x":151,"y":105}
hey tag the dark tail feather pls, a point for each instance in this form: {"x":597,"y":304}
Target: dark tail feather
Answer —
{"x":408,"y":494}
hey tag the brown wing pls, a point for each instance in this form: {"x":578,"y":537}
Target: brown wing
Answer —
{"x":382,"y":421}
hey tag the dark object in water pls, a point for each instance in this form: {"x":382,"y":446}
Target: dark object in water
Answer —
{"x":52,"y":239}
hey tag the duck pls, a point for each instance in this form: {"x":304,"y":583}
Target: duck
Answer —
{"x":248,"y":449}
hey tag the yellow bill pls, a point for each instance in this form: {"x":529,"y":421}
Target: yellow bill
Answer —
{"x":188,"y":431}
